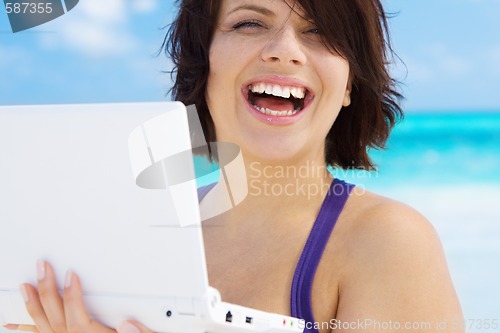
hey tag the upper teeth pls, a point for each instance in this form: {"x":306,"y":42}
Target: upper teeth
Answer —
{"x":277,"y":90}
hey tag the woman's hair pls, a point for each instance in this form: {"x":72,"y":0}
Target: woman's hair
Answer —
{"x":356,"y":29}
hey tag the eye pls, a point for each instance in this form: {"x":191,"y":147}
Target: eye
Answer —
{"x":314,"y":31}
{"x":247,"y":25}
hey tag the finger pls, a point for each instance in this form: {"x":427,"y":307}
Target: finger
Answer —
{"x":49,"y":296}
{"x":77,"y":317}
{"x":35,"y":309}
{"x":76,"y":314}
{"x":132,"y":327}
{"x":22,"y":328}
{"x":10,"y":327}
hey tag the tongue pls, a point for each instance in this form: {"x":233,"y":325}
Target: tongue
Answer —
{"x":274,"y":103}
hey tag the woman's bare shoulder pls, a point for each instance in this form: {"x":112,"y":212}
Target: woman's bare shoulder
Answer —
{"x":394,"y":264}
{"x":378,"y":219}
{"x":385,"y":231}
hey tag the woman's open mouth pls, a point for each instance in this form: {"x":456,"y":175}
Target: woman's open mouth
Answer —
{"x":277,"y":100}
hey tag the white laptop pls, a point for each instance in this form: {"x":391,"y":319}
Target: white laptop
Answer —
{"x":77,"y":188}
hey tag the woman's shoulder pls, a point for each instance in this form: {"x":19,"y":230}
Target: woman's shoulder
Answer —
{"x":383,"y":230}
{"x":391,"y":252}
{"x":383,"y":217}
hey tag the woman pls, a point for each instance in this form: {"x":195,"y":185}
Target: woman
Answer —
{"x":298,"y":85}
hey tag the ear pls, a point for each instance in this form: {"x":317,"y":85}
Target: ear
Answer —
{"x":347,"y":95}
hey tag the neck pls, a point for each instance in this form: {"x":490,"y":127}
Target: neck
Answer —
{"x":291,"y":183}
{"x":292,"y":186}
{"x":287,"y":182}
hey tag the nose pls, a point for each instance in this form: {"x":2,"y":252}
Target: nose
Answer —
{"x":284,"y":48}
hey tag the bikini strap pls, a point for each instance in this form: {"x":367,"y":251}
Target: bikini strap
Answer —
{"x":307,"y":265}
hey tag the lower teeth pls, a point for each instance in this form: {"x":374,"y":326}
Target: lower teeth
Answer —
{"x":275,"y":113}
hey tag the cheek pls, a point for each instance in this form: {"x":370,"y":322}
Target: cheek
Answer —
{"x":336,"y":82}
{"x":215,"y":78}
{"x":221,"y":68}
{"x":220,"y":85}
{"x":227,"y":64}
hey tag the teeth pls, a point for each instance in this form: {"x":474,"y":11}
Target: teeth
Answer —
{"x":262,"y":88}
{"x":277,"y":90}
{"x":275,"y":113}
{"x":285,"y":93}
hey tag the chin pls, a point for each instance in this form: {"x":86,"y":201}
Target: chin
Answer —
{"x":273,"y":152}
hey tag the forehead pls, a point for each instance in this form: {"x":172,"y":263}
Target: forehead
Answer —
{"x":265,"y":7}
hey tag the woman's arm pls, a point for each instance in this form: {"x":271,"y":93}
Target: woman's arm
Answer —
{"x":67,"y":314}
{"x":397,"y":278}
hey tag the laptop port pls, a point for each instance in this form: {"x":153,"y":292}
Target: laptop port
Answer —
{"x":229,"y":317}
{"x":248,"y":320}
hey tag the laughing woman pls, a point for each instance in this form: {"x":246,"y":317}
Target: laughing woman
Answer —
{"x":299,"y":86}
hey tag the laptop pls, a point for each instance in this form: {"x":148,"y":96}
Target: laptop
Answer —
{"x":108,"y":191}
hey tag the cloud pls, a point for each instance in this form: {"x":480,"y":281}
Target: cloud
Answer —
{"x":415,"y":70}
{"x":97,"y":40}
{"x":144,"y":6}
{"x":448,"y":62}
{"x":97,"y":28}
{"x":109,"y":11}
{"x":437,"y":62}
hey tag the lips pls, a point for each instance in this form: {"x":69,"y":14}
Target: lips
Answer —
{"x":277,"y":97}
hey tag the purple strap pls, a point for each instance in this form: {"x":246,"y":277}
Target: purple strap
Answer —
{"x":311,"y":254}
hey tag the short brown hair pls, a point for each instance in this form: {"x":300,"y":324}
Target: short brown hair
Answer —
{"x":356,"y":29}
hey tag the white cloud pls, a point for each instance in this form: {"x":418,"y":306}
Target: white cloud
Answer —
{"x":416,"y":70}
{"x":144,"y":6}
{"x":97,"y":39}
{"x":109,"y":11}
{"x":97,"y":28}
{"x":450,"y":63}
{"x":437,"y":62}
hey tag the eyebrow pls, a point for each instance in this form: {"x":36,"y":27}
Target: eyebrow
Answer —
{"x":258,"y":9}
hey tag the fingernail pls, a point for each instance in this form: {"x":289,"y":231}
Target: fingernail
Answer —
{"x":11,"y":327}
{"x":127,"y":328}
{"x":68,"y":279}
{"x":40,"y":270}
{"x":24,"y":293}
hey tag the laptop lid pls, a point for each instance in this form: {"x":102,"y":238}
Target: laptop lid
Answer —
{"x":68,"y":194}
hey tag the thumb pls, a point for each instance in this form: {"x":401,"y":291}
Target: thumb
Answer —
{"x":132,"y":327}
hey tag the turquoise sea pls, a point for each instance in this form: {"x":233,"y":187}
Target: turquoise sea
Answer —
{"x":437,"y":148}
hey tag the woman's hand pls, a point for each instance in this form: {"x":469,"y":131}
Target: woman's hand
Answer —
{"x":67,"y":314}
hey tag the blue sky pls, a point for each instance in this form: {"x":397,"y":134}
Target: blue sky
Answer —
{"x":103,"y":51}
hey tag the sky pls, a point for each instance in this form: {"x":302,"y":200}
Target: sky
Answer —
{"x":104,"y":51}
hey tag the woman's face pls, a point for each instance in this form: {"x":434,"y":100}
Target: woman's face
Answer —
{"x":273,"y":88}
